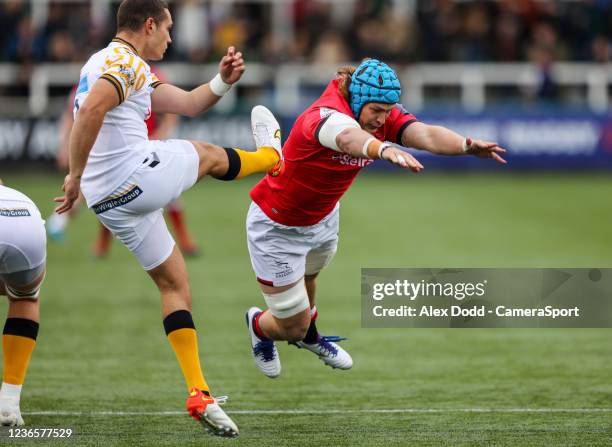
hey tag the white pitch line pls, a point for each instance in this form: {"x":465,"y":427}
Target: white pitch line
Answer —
{"x":329,"y":411}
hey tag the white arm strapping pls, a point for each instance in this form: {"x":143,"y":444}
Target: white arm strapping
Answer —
{"x":335,"y":124}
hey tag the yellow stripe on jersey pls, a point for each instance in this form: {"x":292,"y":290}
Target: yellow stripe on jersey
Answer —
{"x":126,"y":43}
{"x":115,"y":84}
{"x":123,"y":75}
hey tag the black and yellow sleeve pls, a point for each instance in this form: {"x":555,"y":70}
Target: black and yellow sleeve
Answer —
{"x":110,"y":78}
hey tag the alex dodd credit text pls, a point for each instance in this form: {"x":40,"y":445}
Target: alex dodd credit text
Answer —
{"x":486,"y":297}
{"x":458,"y":291}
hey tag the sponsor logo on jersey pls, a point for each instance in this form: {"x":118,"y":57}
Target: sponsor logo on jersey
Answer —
{"x":128,"y":72}
{"x":83,"y":85}
{"x":325,"y":112}
{"x":14,"y":212}
{"x":115,"y":202}
{"x":349,"y":160}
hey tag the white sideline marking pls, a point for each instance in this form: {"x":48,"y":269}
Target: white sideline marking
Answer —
{"x":328,"y":411}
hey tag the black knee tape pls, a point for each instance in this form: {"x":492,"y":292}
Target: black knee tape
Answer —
{"x":22,"y":327}
{"x":234,"y":164}
{"x":178,"y":320}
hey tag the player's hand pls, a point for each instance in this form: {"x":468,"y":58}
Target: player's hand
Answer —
{"x":71,"y":189}
{"x":231,"y":66}
{"x":486,"y":149}
{"x":402,"y":159}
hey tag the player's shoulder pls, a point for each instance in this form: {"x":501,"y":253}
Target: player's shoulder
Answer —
{"x":320,"y":112}
{"x":399,"y":111}
{"x":94,"y":60}
{"x":7,"y":193}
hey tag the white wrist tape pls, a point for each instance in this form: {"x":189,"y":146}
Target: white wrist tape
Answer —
{"x":288,"y":303}
{"x":218,"y":87}
{"x":364,"y":150}
{"x":467,"y":144}
{"x":382,"y":148}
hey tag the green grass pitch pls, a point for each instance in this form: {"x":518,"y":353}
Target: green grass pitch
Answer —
{"x":103,"y":367}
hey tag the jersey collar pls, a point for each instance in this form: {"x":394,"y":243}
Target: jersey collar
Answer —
{"x":126,"y":43}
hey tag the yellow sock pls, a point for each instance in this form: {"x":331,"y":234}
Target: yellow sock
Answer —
{"x":261,"y":160}
{"x":17,"y":351}
{"x":184,"y":342}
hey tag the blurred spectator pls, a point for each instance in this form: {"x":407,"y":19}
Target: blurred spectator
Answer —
{"x":192,"y":35}
{"x":475,"y":45}
{"x":543,"y":51}
{"x":23,"y":45}
{"x":11,"y":13}
{"x":439,"y":28}
{"x":330,"y":50}
{"x":371,"y":40}
{"x":507,"y":38}
{"x":61,"y":47}
{"x":230,"y":32}
{"x":600,"y":49}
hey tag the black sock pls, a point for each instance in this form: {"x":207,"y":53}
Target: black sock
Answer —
{"x":234,"y":164}
{"x":22,"y":327}
{"x":178,"y":320}
{"x":312,"y":336}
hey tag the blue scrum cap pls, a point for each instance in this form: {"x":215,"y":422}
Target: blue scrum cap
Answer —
{"x":373,"y":81}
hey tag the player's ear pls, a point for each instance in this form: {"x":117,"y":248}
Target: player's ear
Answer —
{"x":150,"y":24}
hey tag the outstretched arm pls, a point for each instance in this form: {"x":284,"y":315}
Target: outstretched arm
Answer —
{"x":343,"y":134}
{"x":359,"y":143}
{"x":442,"y":141}
{"x":102,"y":98}
{"x":168,"y":98}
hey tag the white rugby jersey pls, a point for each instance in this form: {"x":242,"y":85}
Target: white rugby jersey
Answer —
{"x":121,"y":144}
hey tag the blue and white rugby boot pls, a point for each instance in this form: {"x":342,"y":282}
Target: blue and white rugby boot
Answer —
{"x":328,"y":350}
{"x":264,"y":350}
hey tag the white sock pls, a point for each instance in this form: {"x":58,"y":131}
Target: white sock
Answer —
{"x":313,"y":311}
{"x":10,"y":390}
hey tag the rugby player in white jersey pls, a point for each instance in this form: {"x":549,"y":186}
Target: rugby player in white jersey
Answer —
{"x":127,"y":179}
{"x":23,"y":252}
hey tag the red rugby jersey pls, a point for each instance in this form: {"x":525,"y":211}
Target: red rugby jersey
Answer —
{"x":315,"y":177}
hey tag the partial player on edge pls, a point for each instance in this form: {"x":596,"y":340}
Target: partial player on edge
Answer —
{"x":23,"y":253}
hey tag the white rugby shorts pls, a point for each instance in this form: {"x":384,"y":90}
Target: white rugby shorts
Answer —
{"x":23,"y":243}
{"x":134,"y":212}
{"x":282,"y":255}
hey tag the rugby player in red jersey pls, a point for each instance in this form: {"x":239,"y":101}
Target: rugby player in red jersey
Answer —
{"x":292,"y":224}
